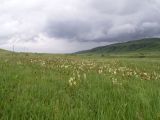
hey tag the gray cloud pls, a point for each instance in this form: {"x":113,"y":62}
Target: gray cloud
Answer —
{"x":85,"y":22}
{"x":110,"y":21}
{"x":83,"y":31}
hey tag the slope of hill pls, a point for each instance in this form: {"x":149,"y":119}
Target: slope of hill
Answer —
{"x":3,"y":51}
{"x":148,"y":45}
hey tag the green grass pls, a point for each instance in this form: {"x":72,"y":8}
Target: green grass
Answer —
{"x":70,"y":87}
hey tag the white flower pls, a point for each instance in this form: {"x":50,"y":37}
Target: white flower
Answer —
{"x":74,"y":83}
{"x":84,"y":75}
{"x":100,"y":71}
{"x":66,"y":66}
{"x":114,"y":72}
{"x":145,"y":74}
{"x":43,"y":63}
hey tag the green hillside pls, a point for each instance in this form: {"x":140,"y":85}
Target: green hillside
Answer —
{"x":149,"y":45}
{"x":3,"y":51}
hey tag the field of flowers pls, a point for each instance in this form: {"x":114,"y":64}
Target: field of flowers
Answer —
{"x":68,"y":87}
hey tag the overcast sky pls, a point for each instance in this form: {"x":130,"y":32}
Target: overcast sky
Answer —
{"x":62,"y":26}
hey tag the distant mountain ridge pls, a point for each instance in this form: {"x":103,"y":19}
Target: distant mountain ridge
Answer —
{"x":142,"y":45}
{"x":2,"y":50}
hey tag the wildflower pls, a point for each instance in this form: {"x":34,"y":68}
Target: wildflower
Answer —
{"x":115,"y":72}
{"x":110,"y":70}
{"x":19,"y":62}
{"x":100,"y":71}
{"x":70,"y":81}
{"x":79,"y":76}
{"x":114,"y":81}
{"x":135,"y":73}
{"x":31,"y":60}
{"x":66,"y":66}
{"x":84,"y":75}
{"x":74,"y":83}
{"x":6,"y":60}
{"x":43,"y":63}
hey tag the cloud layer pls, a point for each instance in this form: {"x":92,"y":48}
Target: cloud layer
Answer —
{"x":61,"y":26}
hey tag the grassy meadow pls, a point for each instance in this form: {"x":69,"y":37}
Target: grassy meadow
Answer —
{"x":73,"y":87}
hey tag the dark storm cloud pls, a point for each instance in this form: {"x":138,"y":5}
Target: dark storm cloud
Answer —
{"x":83,"y":31}
{"x":68,"y":29}
{"x":108,"y":21}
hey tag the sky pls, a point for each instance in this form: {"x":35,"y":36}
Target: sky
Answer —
{"x":66,"y":26}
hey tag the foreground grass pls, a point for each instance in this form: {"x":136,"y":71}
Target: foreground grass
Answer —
{"x":58,"y":87}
